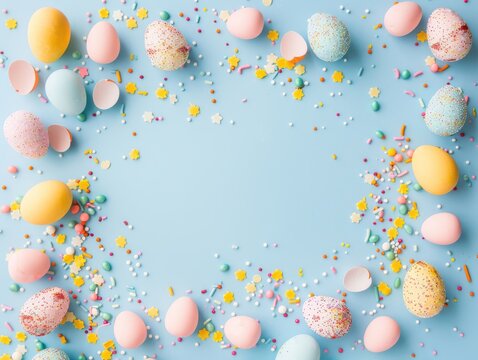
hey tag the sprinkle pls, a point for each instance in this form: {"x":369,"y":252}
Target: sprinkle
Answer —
{"x":360,"y":72}
{"x":242,"y":68}
{"x":421,"y":102}
{"x":409,"y":92}
{"x":418,"y":73}
{"x":171,"y":291}
{"x":118,"y":76}
{"x":8,"y":326}
{"x":467,"y":273}
{"x":397,"y":73}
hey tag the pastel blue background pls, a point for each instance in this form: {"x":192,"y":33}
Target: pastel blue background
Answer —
{"x":199,"y":188}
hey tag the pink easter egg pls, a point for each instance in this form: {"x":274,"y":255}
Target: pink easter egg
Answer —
{"x":28,"y":265}
{"x":402,"y":18}
{"x":130,"y":330}
{"x":242,"y":331}
{"x":103,"y":43}
{"x":245,"y":23}
{"x":182,"y":317}
{"x":442,"y":229}
{"x":381,"y":334}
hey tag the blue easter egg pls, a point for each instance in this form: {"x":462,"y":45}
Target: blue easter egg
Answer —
{"x":65,"y":90}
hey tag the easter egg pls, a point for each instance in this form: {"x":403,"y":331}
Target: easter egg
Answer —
{"x":449,"y":37}
{"x":442,"y":229}
{"x":51,"y":354}
{"x":103,"y":43}
{"x":105,"y":94}
{"x":165,"y":46}
{"x":23,"y":77}
{"x":329,"y":38}
{"x":48,"y":34}
{"x":303,"y":347}
{"x":327,"y":316}
{"x":446,"y":111}
{"x":28,"y":265}
{"x":357,"y":279}
{"x":293,"y":47}
{"x":26,"y":134}
{"x":182,"y":317}
{"x":46,"y":202}
{"x":44,"y":311}
{"x":129,"y":330}
{"x":242,"y":331}
{"x":245,"y":23}
{"x":381,"y":334}
{"x":66,"y":91}
{"x":423,"y":290}
{"x":434,"y":169}
{"x":402,"y":18}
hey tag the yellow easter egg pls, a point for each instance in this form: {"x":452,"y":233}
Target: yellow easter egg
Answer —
{"x":48,"y":34}
{"x":434,"y":169}
{"x":46,"y":202}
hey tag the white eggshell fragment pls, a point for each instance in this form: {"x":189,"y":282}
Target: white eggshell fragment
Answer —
{"x":357,"y":279}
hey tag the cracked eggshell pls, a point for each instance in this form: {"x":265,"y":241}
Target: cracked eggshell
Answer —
{"x":357,"y":279}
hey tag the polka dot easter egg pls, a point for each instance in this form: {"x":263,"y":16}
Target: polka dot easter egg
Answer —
{"x":449,"y":37}
{"x":43,"y":312}
{"x":329,"y":38}
{"x":446,"y":111}
{"x":51,"y":354}
{"x":327,"y":316}
{"x":423,"y":290}
{"x":165,"y":46}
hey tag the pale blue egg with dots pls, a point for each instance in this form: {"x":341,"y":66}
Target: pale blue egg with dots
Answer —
{"x":329,"y":38}
{"x":303,"y":347}
{"x":51,"y":354}
{"x":446,"y":112}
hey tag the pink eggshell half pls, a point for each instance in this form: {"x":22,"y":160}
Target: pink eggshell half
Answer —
{"x":242,"y":331}
{"x":402,"y":18}
{"x":44,"y":311}
{"x":357,"y":279}
{"x":381,"y":334}
{"x":28,"y":265}
{"x":105,"y":94}
{"x":26,"y":134}
{"x":23,"y":77}
{"x":129,"y":330}
{"x":246,"y":23}
{"x":442,"y":229}
{"x":60,"y":138}
{"x":182,"y":317}
{"x":293,"y":46}
{"x":103,"y":43}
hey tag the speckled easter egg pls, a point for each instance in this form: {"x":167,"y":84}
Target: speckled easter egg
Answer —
{"x":423,"y":290}
{"x":46,"y":202}
{"x":402,"y":18}
{"x":51,"y":354}
{"x":129,"y":330}
{"x":182,"y":317}
{"x":242,"y":331}
{"x":329,"y":38}
{"x":66,"y":91}
{"x":26,"y":134}
{"x":43,"y":312}
{"x":103,"y":43}
{"x":165,"y":46}
{"x":246,"y":23}
{"x":303,"y":347}
{"x":28,"y":265}
{"x":449,"y":37}
{"x":381,"y":334}
{"x":434,"y":169}
{"x":442,"y":229}
{"x":327,"y":316}
{"x":48,"y":34}
{"x":446,"y":111}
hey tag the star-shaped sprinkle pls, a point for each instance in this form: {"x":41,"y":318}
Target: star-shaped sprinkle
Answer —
{"x":148,"y":116}
{"x":216,"y":119}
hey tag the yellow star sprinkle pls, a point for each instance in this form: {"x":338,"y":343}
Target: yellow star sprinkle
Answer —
{"x":392,"y":233}
{"x":399,"y":222}
{"x":5,"y":340}
{"x":284,"y":64}
{"x":203,"y":334}
{"x":362,"y":204}
{"x":131,"y":88}
{"x":250,"y":288}
{"x":194,"y":110}
{"x":134,"y":154}
{"x":403,"y":189}
{"x":104,"y":13}
{"x":273,"y":35}
{"x":260,"y":73}
{"x":92,"y":338}
{"x":298,"y":94}
{"x":68,"y":258}
{"x":337,"y":76}
{"x":384,"y":289}
{"x":233,"y":61}
{"x":162,"y":93}
{"x":131,"y":23}
{"x":277,"y":275}
{"x":152,"y":312}
{"x":422,"y":36}
{"x":374,"y":92}
{"x":78,"y":324}
{"x":21,"y":336}
{"x":413,"y":213}
{"x":106,"y":355}
{"x":142,"y":13}
{"x":5,"y":357}
{"x":290,"y":294}
{"x":240,"y":275}
{"x":121,"y":241}
{"x":396,"y":266}
{"x":11,"y":24}
{"x":217,"y":336}
{"x":78,"y":281}
{"x":60,"y":239}
{"x":79,"y":261}
{"x":228,"y":297}
{"x":299,"y":69}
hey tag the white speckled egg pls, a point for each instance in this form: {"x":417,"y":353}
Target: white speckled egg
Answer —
{"x":446,"y":111}
{"x":51,"y":354}
{"x":327,"y":316}
{"x":165,"y":46}
{"x":449,"y":37}
{"x":43,"y":312}
{"x":303,"y":347}
{"x":329,"y":38}
{"x":65,"y":89}
{"x":26,"y":134}
{"x":423,"y":290}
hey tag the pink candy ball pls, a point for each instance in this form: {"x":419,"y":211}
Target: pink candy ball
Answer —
{"x":434,"y":67}
{"x":79,"y":228}
{"x":269,"y":294}
{"x":12,"y":169}
{"x":5,"y":209}
{"x":398,"y":158}
{"x":410,"y":153}
{"x":402,"y":200}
